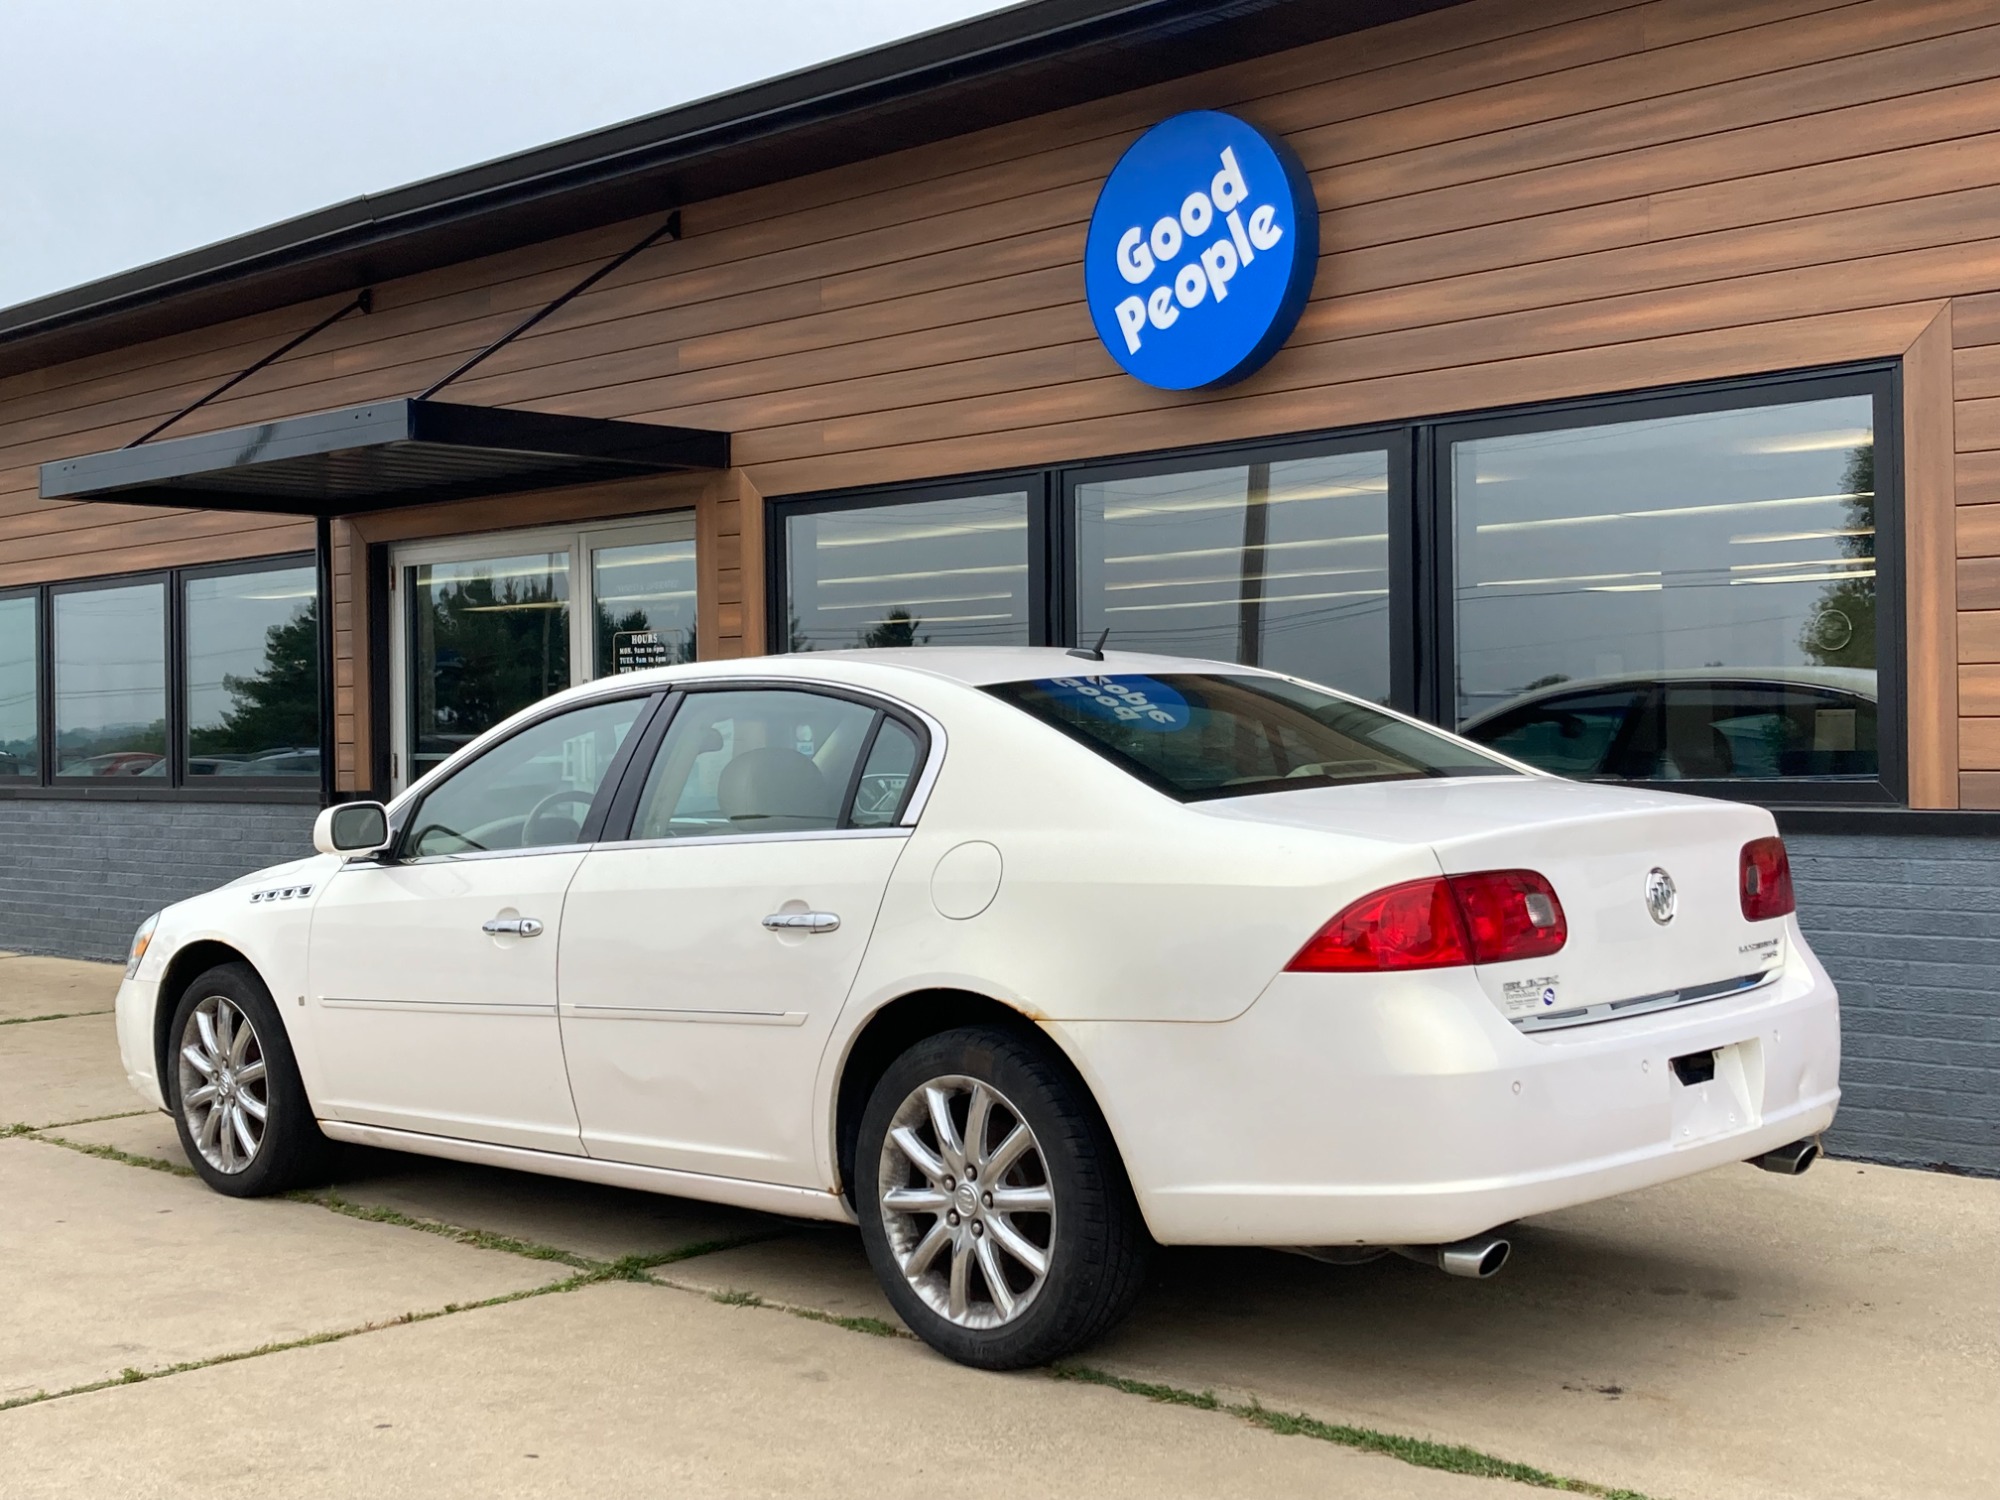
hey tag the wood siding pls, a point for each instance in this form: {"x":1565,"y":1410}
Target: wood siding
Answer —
{"x":1521,"y":200}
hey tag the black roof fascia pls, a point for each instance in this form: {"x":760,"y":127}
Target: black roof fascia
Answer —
{"x":379,"y":457}
{"x":1025,"y":60}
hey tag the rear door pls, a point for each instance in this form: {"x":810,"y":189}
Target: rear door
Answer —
{"x":706,"y":956}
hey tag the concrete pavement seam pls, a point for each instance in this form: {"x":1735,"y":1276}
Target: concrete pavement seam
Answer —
{"x":1422,"y":1453}
{"x":60,"y":1015}
{"x":332,"y":1336}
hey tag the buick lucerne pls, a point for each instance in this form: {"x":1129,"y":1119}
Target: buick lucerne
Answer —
{"x":1023,"y":960}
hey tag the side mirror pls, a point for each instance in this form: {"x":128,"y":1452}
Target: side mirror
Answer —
{"x":352,"y":828}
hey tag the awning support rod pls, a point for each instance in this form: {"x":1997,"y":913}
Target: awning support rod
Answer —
{"x":671,"y":229}
{"x":364,"y":302}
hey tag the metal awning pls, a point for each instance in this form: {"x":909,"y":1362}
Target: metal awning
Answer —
{"x":381,"y":456}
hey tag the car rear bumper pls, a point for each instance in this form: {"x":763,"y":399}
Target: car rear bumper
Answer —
{"x":1409,"y":1111}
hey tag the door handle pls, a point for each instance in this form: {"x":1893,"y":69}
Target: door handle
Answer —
{"x":512,"y":927}
{"x":802,"y":921}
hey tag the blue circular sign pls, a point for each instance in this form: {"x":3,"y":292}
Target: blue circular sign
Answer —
{"x":1202,"y":251}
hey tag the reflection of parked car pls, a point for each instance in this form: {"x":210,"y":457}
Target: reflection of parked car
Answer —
{"x":1691,"y":724}
{"x":274,"y":763}
{"x":116,"y":763}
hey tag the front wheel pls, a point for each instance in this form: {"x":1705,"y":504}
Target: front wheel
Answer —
{"x":235,"y":1091}
{"x":993,"y":1205}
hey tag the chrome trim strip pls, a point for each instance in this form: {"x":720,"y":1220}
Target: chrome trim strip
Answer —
{"x":711,"y":1017}
{"x":811,"y":835}
{"x":1640,"y":1005}
{"x":436,"y":1007}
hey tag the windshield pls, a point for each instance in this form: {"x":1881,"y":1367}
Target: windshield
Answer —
{"x":1201,"y":735}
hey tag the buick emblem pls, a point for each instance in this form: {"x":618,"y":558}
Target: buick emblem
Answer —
{"x":1661,"y":898}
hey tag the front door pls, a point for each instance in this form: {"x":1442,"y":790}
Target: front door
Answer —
{"x":706,"y":958}
{"x":433,"y":974}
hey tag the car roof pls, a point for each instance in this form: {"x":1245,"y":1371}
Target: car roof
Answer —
{"x":975,"y":666}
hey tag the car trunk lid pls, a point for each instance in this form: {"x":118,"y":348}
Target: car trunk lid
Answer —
{"x":1613,"y":855}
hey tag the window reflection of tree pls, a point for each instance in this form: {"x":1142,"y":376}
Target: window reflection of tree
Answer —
{"x":276,"y":708}
{"x":496,"y":647}
{"x":1841,"y":630}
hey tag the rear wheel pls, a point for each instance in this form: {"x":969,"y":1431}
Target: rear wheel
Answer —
{"x":234,"y":1088}
{"x":993,"y":1205}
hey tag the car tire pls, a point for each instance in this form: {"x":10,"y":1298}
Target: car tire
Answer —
{"x":938,"y":1232}
{"x":228,"y":1058}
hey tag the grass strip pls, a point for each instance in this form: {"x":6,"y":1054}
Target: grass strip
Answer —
{"x":123,"y":1114}
{"x":57,"y":1015}
{"x":734,"y":1297}
{"x":106,"y":1153}
{"x":136,"y":1376}
{"x":480,"y":1239}
{"x":1452,"y":1458}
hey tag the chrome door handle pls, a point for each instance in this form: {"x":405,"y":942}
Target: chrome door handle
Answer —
{"x":512,"y":927}
{"x":802,"y":921}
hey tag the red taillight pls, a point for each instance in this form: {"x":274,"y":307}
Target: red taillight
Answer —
{"x":1438,"y":923}
{"x":1511,"y":914}
{"x":1766,"y":880}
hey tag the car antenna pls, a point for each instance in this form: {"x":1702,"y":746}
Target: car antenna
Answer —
{"x":1091,"y":653}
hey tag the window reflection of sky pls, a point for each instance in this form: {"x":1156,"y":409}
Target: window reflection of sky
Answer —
{"x":930,"y":572}
{"x":1710,"y":539}
{"x":1282,"y":564}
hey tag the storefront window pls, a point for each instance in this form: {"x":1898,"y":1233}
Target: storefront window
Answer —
{"x":948,"y":572}
{"x":489,"y":638}
{"x":644,"y":598}
{"x":111,"y":681}
{"x":1687,"y":597}
{"x":1281,"y":564}
{"x":252,"y":663}
{"x":20,"y":706}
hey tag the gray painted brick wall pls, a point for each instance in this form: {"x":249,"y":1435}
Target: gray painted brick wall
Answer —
{"x":77,"y":877}
{"x":1908,"y":926}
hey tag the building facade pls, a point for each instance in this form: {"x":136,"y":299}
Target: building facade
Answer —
{"x":1643,"y":420}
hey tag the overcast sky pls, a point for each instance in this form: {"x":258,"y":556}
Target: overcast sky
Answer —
{"x":134,"y":129}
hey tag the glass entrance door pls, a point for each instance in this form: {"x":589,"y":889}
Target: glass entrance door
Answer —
{"x":483,"y":627}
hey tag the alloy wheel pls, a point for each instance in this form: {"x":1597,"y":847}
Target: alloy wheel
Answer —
{"x":966,"y":1202}
{"x":225,"y":1089}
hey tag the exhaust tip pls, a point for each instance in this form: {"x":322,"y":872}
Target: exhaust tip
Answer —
{"x":1477,"y":1258}
{"x":1791,"y":1160}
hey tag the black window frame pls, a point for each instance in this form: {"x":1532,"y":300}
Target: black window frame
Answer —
{"x":175,"y":786}
{"x":1044,"y":626}
{"x":1421,"y":541}
{"x":1403,"y":570}
{"x":43,"y":755}
{"x":1881,"y":381}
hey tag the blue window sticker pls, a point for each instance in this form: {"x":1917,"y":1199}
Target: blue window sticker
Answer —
{"x":1143,"y":702}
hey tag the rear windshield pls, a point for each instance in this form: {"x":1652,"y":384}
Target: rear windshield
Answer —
{"x":1201,"y":735}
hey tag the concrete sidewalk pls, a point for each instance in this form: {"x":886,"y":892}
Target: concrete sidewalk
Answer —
{"x":473,"y":1331}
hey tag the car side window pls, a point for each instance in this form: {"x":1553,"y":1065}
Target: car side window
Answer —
{"x":774,"y":760}
{"x":1569,"y":735}
{"x":533,"y":790}
{"x":1759,"y":730}
{"x":884,"y":787}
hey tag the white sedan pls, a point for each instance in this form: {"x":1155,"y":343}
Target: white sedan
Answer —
{"x":1025,"y":960}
